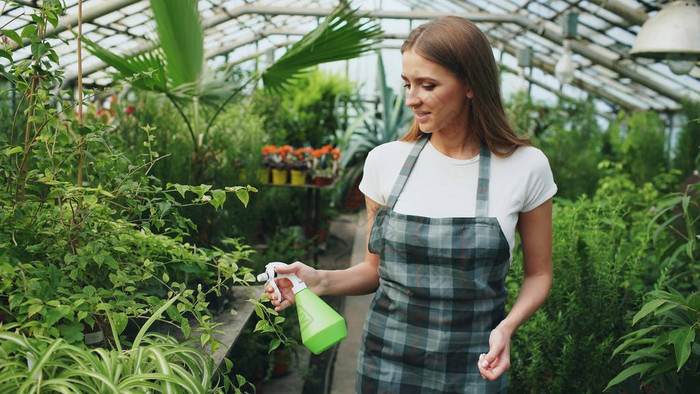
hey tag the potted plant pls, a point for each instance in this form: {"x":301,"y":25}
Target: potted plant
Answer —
{"x":324,"y":165}
{"x":299,"y":162}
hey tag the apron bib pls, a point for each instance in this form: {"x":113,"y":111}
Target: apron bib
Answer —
{"x":441,"y":292}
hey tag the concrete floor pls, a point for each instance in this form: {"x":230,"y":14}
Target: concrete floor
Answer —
{"x":349,"y":231}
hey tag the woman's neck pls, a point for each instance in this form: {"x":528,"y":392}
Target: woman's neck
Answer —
{"x":462,"y":145}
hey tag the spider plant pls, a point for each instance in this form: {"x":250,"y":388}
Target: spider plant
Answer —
{"x":153,"y":363}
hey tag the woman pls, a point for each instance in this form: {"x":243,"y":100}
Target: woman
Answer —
{"x":443,"y":204}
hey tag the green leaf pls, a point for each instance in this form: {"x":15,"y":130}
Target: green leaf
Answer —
{"x":243,"y":196}
{"x":682,"y":339}
{"x":182,"y":189}
{"x":29,"y":31}
{"x":647,"y":309}
{"x":90,"y":200}
{"x":626,"y":373}
{"x":33,"y":309}
{"x":12,"y":35}
{"x":218,"y":197}
{"x":7,"y":55}
{"x":181,"y":37}
{"x":15,"y":150}
{"x":342,"y":35}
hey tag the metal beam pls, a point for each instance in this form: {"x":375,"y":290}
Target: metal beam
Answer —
{"x":545,"y":29}
{"x":89,"y":15}
{"x":550,"y":32}
{"x":634,"y":15}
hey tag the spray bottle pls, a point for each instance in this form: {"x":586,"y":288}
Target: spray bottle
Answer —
{"x":320,"y":325}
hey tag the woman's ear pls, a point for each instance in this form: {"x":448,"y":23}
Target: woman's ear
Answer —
{"x":470,"y":93}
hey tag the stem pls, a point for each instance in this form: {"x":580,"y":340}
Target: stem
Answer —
{"x":22,"y":180}
{"x":80,"y":91}
{"x":229,"y":98}
{"x":184,"y":117}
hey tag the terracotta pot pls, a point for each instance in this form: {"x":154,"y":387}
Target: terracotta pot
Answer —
{"x":323,"y":181}
{"x":282,"y":361}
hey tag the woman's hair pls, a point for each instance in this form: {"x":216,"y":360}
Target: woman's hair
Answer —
{"x":458,"y":45}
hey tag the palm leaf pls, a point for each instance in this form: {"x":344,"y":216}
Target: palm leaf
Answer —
{"x":181,"y":37}
{"x":146,"y":69}
{"x":342,"y":35}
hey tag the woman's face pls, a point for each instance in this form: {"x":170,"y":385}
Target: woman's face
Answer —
{"x":439,"y":100}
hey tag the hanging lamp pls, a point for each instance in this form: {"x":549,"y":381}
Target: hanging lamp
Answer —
{"x":672,"y":35}
{"x":524,"y":56}
{"x":564,"y":70}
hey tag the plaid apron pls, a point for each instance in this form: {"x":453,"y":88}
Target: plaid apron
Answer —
{"x":441,"y":292}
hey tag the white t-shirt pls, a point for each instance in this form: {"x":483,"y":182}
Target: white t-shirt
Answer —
{"x":440,"y":186}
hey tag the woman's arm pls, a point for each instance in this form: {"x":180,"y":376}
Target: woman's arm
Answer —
{"x":535,"y":229}
{"x":361,"y":278}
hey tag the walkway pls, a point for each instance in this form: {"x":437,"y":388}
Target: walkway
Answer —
{"x":346,"y":246}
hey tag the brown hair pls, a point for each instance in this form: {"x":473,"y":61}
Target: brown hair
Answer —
{"x":458,"y":45}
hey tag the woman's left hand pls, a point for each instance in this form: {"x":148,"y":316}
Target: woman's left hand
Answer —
{"x":497,"y":361}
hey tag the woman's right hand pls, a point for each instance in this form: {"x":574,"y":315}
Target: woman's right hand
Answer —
{"x":308,"y":275}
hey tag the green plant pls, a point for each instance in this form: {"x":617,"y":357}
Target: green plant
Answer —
{"x":596,"y":261}
{"x":177,"y":70}
{"x":687,"y":149}
{"x":569,"y":126}
{"x":666,"y":352}
{"x":153,"y":363}
{"x":86,"y":232}
{"x":371,"y":129}
{"x":308,"y":112}
{"x":638,"y":141}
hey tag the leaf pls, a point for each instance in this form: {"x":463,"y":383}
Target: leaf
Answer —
{"x":218,"y":197}
{"x":120,"y":320}
{"x":12,"y":35}
{"x":342,"y":35}
{"x":182,"y":189}
{"x":29,"y":31}
{"x":181,"y":37}
{"x":628,"y":372}
{"x":243,"y":196}
{"x":647,"y":309}
{"x":682,"y":339}
{"x":15,"y":150}
{"x":34,"y":308}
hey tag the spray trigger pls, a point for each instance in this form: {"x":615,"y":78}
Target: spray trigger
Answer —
{"x":269,"y":277}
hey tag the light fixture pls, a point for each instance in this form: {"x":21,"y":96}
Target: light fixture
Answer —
{"x":564,"y":70}
{"x":524,"y":56}
{"x":672,"y":35}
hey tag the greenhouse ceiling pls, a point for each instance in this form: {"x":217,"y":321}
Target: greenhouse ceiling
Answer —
{"x":237,"y":31}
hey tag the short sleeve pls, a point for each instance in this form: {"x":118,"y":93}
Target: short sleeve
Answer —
{"x":541,"y":186}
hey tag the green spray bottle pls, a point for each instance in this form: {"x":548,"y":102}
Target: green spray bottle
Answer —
{"x":320,"y":325}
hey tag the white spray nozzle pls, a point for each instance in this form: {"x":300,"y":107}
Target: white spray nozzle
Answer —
{"x":270,"y":274}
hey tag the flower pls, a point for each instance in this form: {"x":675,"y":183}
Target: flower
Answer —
{"x":325,"y":162}
{"x":274,"y":157}
{"x":299,"y":159}
{"x":129,"y":109}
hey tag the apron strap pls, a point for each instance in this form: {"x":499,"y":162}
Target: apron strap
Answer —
{"x":482,"y":189}
{"x":406,"y":170}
